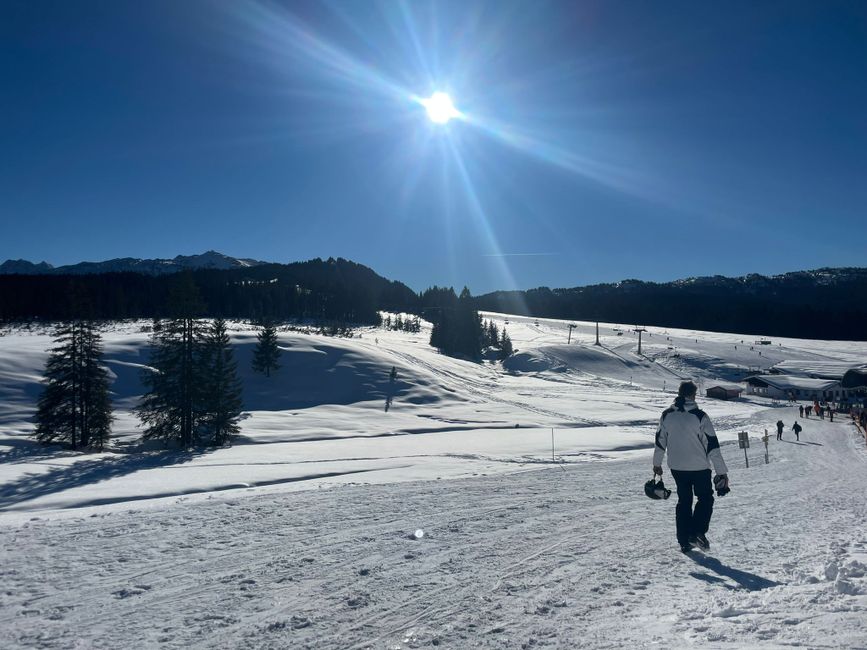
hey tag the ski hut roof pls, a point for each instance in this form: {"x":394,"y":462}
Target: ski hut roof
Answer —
{"x":816,"y":369}
{"x":788,"y":382}
{"x":727,"y":385}
{"x":855,"y":378}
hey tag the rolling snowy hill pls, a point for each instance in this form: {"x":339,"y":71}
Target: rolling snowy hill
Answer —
{"x":303,"y":534}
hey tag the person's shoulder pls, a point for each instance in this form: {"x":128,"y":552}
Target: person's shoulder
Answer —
{"x":697,"y":412}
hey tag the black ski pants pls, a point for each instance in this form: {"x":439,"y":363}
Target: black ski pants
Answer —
{"x":691,"y":522}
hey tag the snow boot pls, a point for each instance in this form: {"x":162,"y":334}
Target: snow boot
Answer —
{"x":686,"y":548}
{"x":700,"y":541}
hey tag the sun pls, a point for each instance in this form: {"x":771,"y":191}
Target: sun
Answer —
{"x":440,"y":108}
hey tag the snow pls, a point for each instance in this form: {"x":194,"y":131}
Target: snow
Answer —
{"x":819,"y":369}
{"x":335,"y":523}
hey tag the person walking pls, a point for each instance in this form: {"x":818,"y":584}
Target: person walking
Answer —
{"x":687,"y":435}
{"x":780,"y":426}
{"x":807,"y":410}
{"x":797,"y":429}
{"x":800,"y":410}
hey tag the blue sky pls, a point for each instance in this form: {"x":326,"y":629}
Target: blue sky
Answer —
{"x":598,"y":140}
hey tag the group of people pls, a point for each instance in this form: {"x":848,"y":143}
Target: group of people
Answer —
{"x":817,"y":409}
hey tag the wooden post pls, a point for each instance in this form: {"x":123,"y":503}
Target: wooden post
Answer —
{"x":552,"y":446}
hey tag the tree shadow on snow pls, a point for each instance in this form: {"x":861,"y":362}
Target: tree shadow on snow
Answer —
{"x":87,"y":472}
{"x":27,"y":450}
{"x":744,"y":579}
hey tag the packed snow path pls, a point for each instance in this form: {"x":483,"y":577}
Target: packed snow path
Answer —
{"x":550,"y":558}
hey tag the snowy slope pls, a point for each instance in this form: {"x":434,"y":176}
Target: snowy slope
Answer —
{"x":300,"y":535}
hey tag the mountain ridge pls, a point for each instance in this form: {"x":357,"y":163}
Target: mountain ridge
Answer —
{"x":158,"y":266}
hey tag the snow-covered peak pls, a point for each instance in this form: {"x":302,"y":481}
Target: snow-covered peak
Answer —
{"x":212,"y":260}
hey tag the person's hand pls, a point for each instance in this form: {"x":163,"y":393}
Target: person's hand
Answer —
{"x":657,"y":470}
{"x":721,"y":483}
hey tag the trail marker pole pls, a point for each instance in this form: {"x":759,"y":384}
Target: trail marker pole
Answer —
{"x":552,"y":446}
{"x":553,"y":460}
{"x":744,"y":443}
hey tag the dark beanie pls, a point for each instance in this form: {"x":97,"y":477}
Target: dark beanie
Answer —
{"x":687,"y":389}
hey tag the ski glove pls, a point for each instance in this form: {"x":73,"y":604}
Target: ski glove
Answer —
{"x":721,"y":483}
{"x":657,"y":470}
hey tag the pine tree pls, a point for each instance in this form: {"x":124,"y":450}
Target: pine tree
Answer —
{"x":169,"y":407}
{"x":493,"y":334}
{"x":74,"y":407}
{"x":266,"y":354}
{"x":505,"y":346}
{"x":221,"y":390}
{"x":95,"y":401}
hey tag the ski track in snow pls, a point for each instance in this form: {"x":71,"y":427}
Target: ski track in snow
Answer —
{"x":573,"y":556}
{"x":535,"y":559}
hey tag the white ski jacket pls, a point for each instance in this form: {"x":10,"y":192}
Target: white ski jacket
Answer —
{"x":687,"y":434}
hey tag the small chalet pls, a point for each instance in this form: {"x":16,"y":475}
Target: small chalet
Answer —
{"x":724,"y":391}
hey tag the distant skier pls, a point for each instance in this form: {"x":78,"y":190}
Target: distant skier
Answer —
{"x":797,"y":429}
{"x":800,"y":410}
{"x":831,"y":414}
{"x":687,"y":434}
{"x":807,"y":410}
{"x":780,"y":426}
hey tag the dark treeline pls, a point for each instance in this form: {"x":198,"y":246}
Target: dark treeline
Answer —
{"x":825,"y":304}
{"x":323,"y":290}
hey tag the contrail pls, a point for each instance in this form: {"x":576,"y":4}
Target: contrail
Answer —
{"x":518,"y":254}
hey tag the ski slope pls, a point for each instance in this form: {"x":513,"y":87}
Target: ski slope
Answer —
{"x":302,"y":535}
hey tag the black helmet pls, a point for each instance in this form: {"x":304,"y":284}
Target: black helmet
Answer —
{"x":656,"y":489}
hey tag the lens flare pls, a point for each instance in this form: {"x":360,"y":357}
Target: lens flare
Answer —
{"x":440,"y":108}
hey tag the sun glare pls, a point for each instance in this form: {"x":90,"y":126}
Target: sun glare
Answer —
{"x":440,"y":108}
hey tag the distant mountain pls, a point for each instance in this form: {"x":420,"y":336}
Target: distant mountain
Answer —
{"x":329,"y":292}
{"x":208,"y":260}
{"x":827,"y":303}
{"x":24,"y":267}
